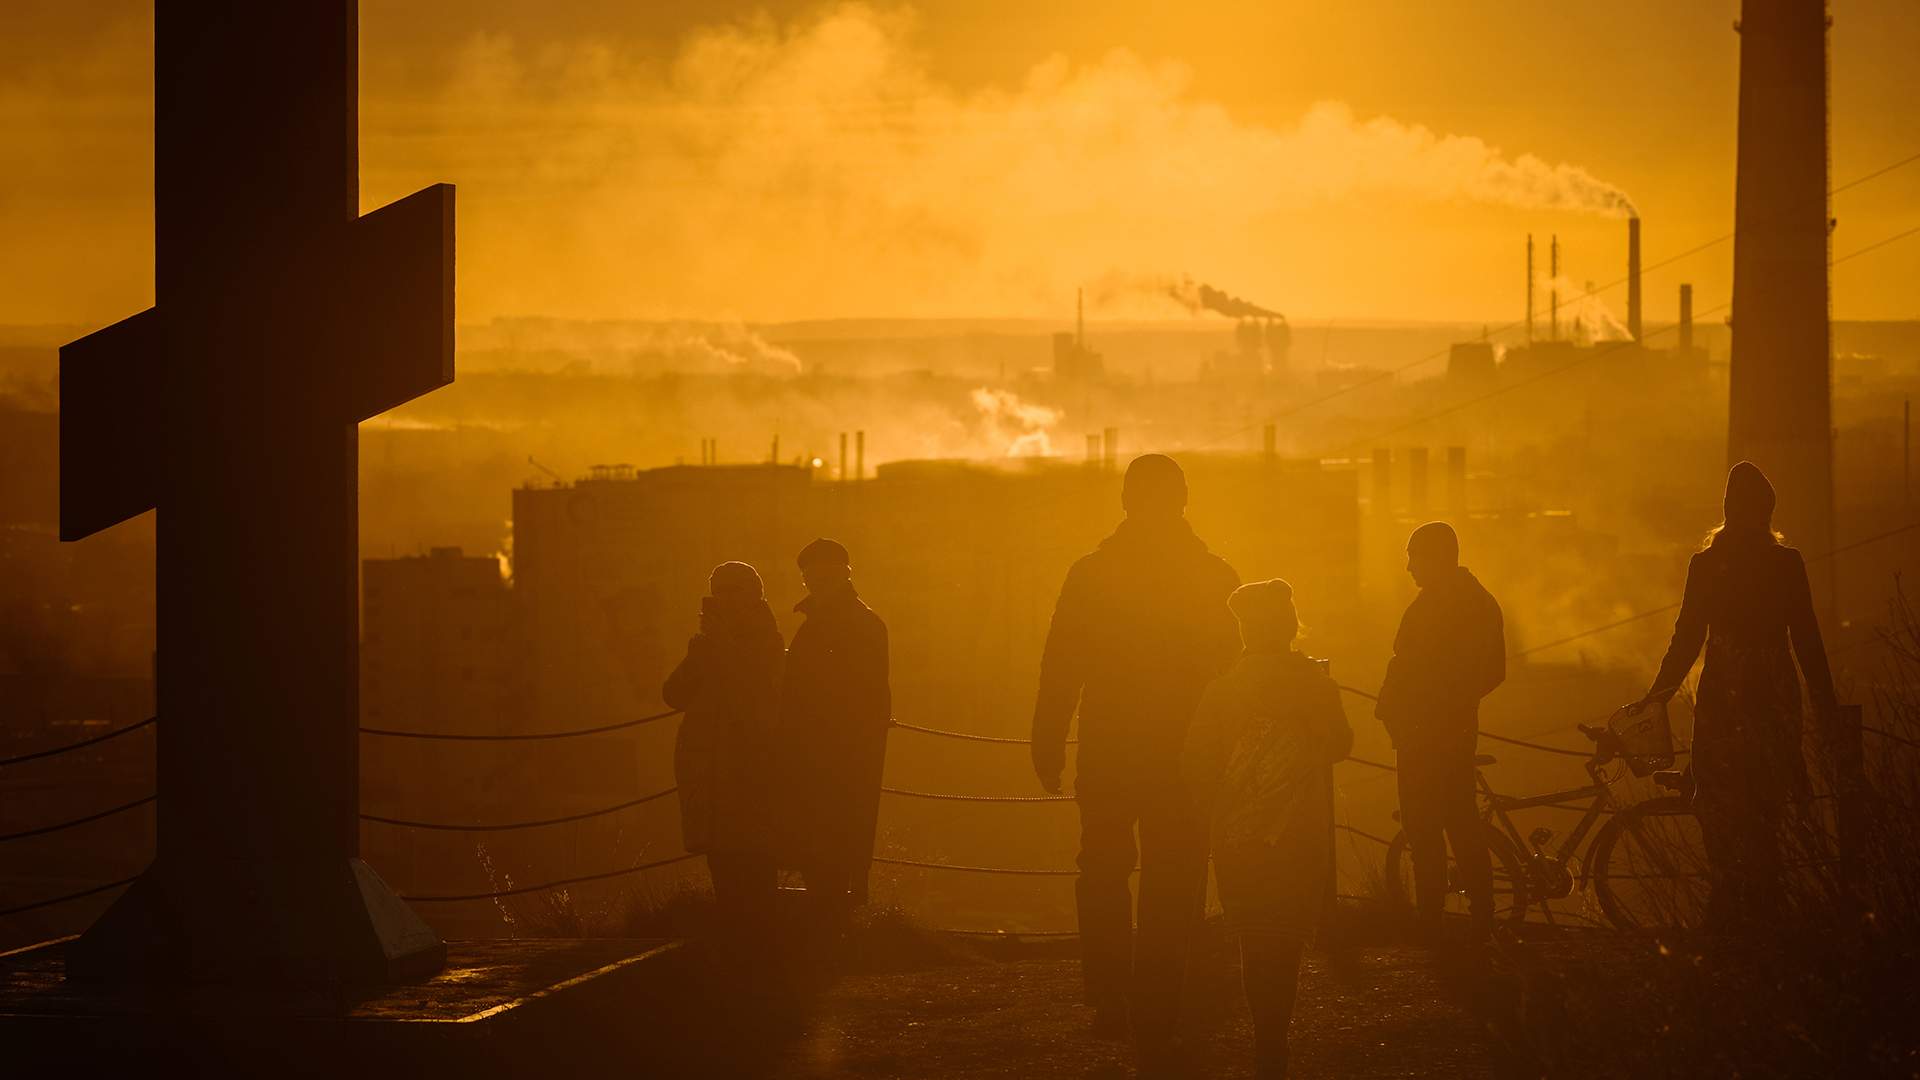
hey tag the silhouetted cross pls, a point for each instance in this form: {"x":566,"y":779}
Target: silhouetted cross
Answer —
{"x":282,"y":319}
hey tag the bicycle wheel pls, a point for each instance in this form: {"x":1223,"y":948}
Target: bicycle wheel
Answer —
{"x":1509,"y":879}
{"x":1650,"y":867}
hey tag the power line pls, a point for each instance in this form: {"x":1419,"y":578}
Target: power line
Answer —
{"x":82,"y":894}
{"x":508,"y":826}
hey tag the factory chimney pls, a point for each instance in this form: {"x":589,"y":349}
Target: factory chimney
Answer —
{"x":1779,"y":407}
{"x":1529,"y":288}
{"x":1633,"y":278}
{"x":1686,"y":320}
{"x":1553,"y":289}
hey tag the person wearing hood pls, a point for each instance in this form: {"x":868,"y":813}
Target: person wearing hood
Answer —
{"x":1259,"y":763}
{"x":1141,"y":627}
{"x":836,"y":707}
{"x":1449,"y":653}
{"x":1748,"y":601}
{"x":728,"y":685}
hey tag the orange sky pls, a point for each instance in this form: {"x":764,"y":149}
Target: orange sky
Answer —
{"x":1367,"y":159}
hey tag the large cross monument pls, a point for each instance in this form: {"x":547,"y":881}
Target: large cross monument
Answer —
{"x":282,"y":319}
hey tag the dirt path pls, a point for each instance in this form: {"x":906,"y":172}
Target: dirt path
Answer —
{"x":1386,"y":1013}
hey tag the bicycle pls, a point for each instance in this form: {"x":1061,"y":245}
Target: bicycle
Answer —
{"x":1647,"y":866}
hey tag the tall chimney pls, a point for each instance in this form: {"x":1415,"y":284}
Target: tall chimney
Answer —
{"x":1111,"y":438}
{"x":1779,"y":400}
{"x":1457,"y":481}
{"x":1418,"y":475}
{"x":859,"y":455}
{"x":1529,"y":288}
{"x":1553,"y":289}
{"x":843,"y":457}
{"x":1633,"y":278}
{"x":1093,"y":449}
{"x":1686,"y":320}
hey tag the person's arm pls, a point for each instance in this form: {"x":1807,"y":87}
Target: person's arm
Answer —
{"x":1063,"y":666}
{"x":1331,"y":717}
{"x":1803,"y":626}
{"x":1203,"y":761}
{"x":683,"y":686}
{"x":1491,"y":671}
{"x":1689,"y":634}
{"x":876,"y":671}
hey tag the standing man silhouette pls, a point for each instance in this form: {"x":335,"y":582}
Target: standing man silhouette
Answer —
{"x":1451,"y":651}
{"x":836,"y":707}
{"x":1141,"y":628}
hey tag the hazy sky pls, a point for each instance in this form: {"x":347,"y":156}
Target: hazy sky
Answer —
{"x":1362,"y":159}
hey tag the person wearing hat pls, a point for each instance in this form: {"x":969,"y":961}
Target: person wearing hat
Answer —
{"x":1141,"y":627}
{"x":728,"y":687}
{"x":1450,"y":651}
{"x":1748,"y":601}
{"x":835,"y":710}
{"x":1259,"y":763}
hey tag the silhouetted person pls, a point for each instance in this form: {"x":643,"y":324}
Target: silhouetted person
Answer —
{"x":1140,"y":629}
{"x":728,"y":686}
{"x":1449,"y":653}
{"x":1259,"y":763}
{"x":837,"y":708}
{"x":1747,"y":599}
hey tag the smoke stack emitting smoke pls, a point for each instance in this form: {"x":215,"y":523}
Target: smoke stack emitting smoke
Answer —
{"x":1193,"y":296}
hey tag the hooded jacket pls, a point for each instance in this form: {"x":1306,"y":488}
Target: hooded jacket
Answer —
{"x":728,"y":686}
{"x":1141,"y":627}
{"x":1450,"y":651}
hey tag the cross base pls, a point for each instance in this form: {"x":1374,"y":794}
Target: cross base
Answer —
{"x":330,"y":925}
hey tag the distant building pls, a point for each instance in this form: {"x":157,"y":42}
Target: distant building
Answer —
{"x":434,"y":646}
{"x":1071,"y":357}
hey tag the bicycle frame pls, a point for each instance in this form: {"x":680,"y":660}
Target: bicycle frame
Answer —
{"x":1498,"y":807}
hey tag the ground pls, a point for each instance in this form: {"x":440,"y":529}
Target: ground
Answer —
{"x":1385,"y":1014}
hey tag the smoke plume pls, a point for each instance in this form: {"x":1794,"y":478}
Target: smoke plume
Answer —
{"x":820,"y":166}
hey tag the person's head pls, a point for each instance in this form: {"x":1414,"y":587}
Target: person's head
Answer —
{"x":1267,"y":617}
{"x":735,"y":582}
{"x":1747,"y":510}
{"x":824,"y":564}
{"x":1154,"y":487}
{"x":1432,"y":552}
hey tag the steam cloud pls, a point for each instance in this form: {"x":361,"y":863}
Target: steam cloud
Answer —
{"x":1002,"y":410}
{"x":819,"y":166}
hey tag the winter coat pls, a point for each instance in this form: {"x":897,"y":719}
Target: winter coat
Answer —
{"x":1141,"y":627}
{"x":728,"y":687}
{"x":1450,"y":651}
{"x":1259,"y":761}
{"x":836,"y":706}
{"x":1748,"y":601}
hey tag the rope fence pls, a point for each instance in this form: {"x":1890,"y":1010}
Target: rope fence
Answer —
{"x":528,"y":737}
{"x":51,"y":901}
{"x":45,"y":829}
{"x":561,"y":884}
{"x":71,"y":747}
{"x":511,"y":825}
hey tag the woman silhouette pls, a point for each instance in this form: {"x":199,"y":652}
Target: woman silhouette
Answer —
{"x":1747,"y":599}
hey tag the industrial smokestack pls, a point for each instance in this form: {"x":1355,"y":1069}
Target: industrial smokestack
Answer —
{"x":1529,"y":288}
{"x":859,"y":455}
{"x":1419,"y":473}
{"x":843,"y":456}
{"x":1686,"y":320}
{"x":1553,"y":289}
{"x":1633,"y":278}
{"x":1111,"y":440}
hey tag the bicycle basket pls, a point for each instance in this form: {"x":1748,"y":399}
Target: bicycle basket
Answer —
{"x":1646,"y":734}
